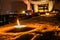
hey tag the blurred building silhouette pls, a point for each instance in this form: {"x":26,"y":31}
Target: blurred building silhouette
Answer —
{"x":15,"y":5}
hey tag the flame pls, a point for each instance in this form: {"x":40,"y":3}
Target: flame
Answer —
{"x":18,"y":22}
{"x":19,"y":25}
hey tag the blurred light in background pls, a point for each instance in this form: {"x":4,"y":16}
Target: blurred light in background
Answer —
{"x":23,"y":12}
{"x":53,"y":11}
{"x":57,"y":12}
{"x":41,"y":10}
{"x":27,"y":14}
{"x":47,"y":13}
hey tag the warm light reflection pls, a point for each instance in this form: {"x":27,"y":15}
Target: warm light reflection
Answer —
{"x":19,"y":25}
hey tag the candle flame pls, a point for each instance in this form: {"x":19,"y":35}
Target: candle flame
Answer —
{"x":19,"y":25}
{"x":18,"y":22}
